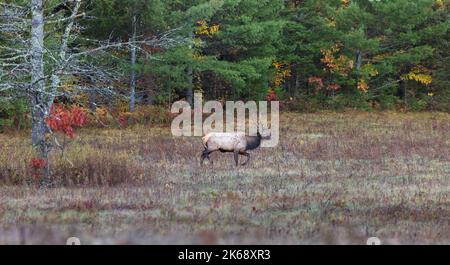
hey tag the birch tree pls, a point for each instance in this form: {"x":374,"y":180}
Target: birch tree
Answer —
{"x":32,"y":67}
{"x":133,"y":63}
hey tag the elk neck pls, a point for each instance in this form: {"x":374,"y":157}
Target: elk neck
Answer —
{"x":253,"y":142}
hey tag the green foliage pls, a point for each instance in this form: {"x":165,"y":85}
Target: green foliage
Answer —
{"x":402,"y":47}
{"x":367,"y":53}
{"x":113,"y":19}
{"x":351,"y":101}
{"x":381,"y":54}
{"x":13,"y":114}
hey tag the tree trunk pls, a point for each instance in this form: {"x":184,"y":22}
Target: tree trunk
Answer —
{"x":190,"y":90}
{"x":190,"y":73}
{"x":37,"y":64}
{"x":297,"y":82}
{"x":39,"y":108}
{"x":405,"y":92}
{"x":133,"y":65}
{"x":92,"y":101}
{"x":56,"y":80}
{"x":358,"y":60}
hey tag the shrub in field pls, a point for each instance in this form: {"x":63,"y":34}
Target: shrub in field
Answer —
{"x":148,"y":115}
{"x":440,"y":102}
{"x":385,"y":102}
{"x":271,"y":95}
{"x":100,"y":165}
{"x":61,"y":120}
{"x":64,"y":119}
{"x":120,"y":117}
{"x":98,"y":168}
{"x":341,"y":101}
{"x":306,"y":104}
{"x":37,"y":164}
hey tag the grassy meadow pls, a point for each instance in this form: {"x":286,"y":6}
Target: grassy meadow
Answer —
{"x":335,"y":178}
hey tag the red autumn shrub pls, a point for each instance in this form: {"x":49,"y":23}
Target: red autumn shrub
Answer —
{"x":316,"y":81}
{"x":63,"y":120}
{"x":271,"y":95}
{"x":333,"y":86}
{"x":122,"y":120}
{"x":38,"y":163}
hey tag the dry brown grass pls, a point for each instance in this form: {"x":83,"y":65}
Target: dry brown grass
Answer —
{"x":334,"y":178}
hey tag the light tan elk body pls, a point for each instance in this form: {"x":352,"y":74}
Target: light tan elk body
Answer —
{"x":236,"y":142}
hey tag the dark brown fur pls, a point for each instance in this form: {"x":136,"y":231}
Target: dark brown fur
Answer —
{"x":253,"y":142}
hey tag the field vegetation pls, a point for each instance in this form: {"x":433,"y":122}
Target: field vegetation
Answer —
{"x":334,"y":178}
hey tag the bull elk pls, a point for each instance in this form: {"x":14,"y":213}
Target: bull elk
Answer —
{"x":227,"y":142}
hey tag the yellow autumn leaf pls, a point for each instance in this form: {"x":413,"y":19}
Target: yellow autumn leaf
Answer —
{"x":419,"y":74}
{"x":204,"y":29}
{"x":363,"y":86}
{"x":345,"y":3}
{"x":439,"y":3}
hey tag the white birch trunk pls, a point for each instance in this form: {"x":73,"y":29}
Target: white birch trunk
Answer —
{"x":133,"y":65}
{"x":37,"y":73}
{"x":39,"y":108}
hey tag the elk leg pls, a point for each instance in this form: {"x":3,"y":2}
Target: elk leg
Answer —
{"x":236,"y":157}
{"x":247,"y":155}
{"x":209,"y":159}
{"x":207,"y":153}
{"x":204,"y":155}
